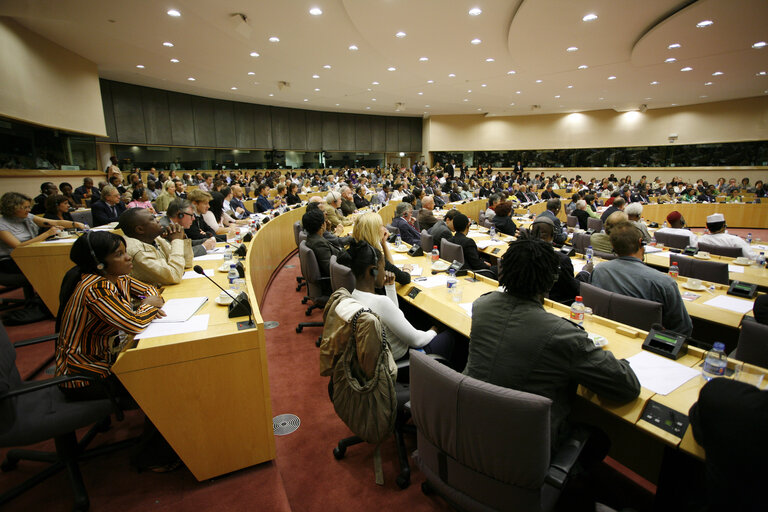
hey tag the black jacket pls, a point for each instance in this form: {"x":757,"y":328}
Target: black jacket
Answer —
{"x":472,"y":259}
{"x":103,"y":213}
{"x":505,"y":225}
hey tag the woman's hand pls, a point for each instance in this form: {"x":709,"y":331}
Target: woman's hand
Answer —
{"x":79,"y":225}
{"x":210,"y":244}
{"x":389,"y":278}
{"x":384,"y":236}
{"x":156,"y":301}
{"x":52,"y":231}
{"x":339,"y":230}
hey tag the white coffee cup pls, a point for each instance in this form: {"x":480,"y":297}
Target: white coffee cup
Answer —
{"x":694,"y":283}
{"x":224,"y":297}
{"x":702,"y":254}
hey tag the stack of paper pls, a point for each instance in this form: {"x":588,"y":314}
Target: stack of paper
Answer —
{"x":210,"y":257}
{"x":431,"y":281}
{"x":194,"y":324}
{"x":735,"y":268}
{"x":180,"y":310}
{"x":731,"y":304}
{"x":659,"y":374}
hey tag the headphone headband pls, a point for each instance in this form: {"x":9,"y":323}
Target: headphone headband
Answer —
{"x":99,"y":265}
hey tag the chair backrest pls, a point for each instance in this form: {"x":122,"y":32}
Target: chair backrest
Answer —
{"x":310,"y":270}
{"x":84,"y":216}
{"x":341,"y":276}
{"x":487,"y":223}
{"x":488,"y":446}
{"x":605,"y":255}
{"x":571,"y":221}
{"x":580,"y":242}
{"x":481,"y":217}
{"x":628,"y":310}
{"x":729,"y":252}
{"x":427,"y":242}
{"x":9,"y":374}
{"x":302,"y":236}
{"x":753,"y":343}
{"x":712,"y":271}
{"x":297,"y":230}
{"x":392,"y":229}
{"x":673,"y":240}
{"x":595,"y":225}
{"x":450,"y":251}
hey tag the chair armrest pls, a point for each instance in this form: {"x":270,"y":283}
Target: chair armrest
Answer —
{"x":34,"y":341}
{"x":563,"y":461}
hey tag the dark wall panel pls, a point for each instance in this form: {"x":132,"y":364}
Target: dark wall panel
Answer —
{"x":346,"y":132}
{"x":314,"y":130}
{"x":416,"y":125}
{"x":205,"y":121}
{"x":157,"y":118}
{"x":330,"y":131}
{"x":363,"y":133}
{"x":281,"y":133}
{"x":224,"y":121}
{"x":378,"y":134}
{"x":244,"y":125}
{"x":262,"y":127}
{"x":297,"y":127}
{"x":109,"y":112}
{"x":129,"y":114}
{"x":403,"y":134}
{"x":391,"y":127}
{"x":182,"y":119}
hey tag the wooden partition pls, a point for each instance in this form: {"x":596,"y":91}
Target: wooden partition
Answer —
{"x":752,"y":215}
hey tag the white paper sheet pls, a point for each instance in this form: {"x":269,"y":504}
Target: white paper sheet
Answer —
{"x":180,"y":310}
{"x":210,"y":257}
{"x":738,"y":269}
{"x":650,"y":249}
{"x":60,"y":241}
{"x":663,"y":254}
{"x":399,"y":257}
{"x":467,"y":307}
{"x":431,"y":281}
{"x":476,"y":234}
{"x":191,"y":274}
{"x":218,"y":250}
{"x":731,"y":304}
{"x":578,"y":265}
{"x":482,"y":244}
{"x":415,"y":271}
{"x":194,"y":324}
{"x":760,"y":247}
{"x":659,"y":374}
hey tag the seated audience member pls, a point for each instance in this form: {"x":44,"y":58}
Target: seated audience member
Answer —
{"x":236,"y":204}
{"x":549,"y":193}
{"x":760,"y":190}
{"x":182,"y":213}
{"x":516,"y":343}
{"x":602,"y":241}
{"x":426,"y":218}
{"x":384,"y":195}
{"x":502,"y":221}
{"x":582,"y":214}
{"x":86,"y":192}
{"x":159,"y":255}
{"x":57,"y":208}
{"x":617,"y":205}
{"x":166,"y":196}
{"x":313,"y":222}
{"x":200,"y":228}
{"x":402,"y":218}
{"x":332,"y":211}
{"x":677,"y":227}
{"x":359,"y":198}
{"x":553,"y":208}
{"x":438,"y":197}
{"x":634,"y":213}
{"x":729,"y":422}
{"x":216,"y":218}
{"x":66,"y":191}
{"x":443,"y":228}
{"x":370,"y":228}
{"x":117,"y":183}
{"x":347,"y":202}
{"x":760,"y":309}
{"x":573,"y":205}
{"x":263,"y":204}
{"x":152,"y":189}
{"x":493,"y":201}
{"x":292,"y":196}
{"x":717,"y":236}
{"x":628,"y":275}
{"x":566,"y":287}
{"x":472,"y":259}
{"x":109,"y":208}
{"x":368,"y":266}
{"x":47,"y":190}
{"x":141,"y":199}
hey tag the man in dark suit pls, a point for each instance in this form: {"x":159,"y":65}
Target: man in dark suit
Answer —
{"x":262,"y":203}
{"x":426,"y":218}
{"x":408,"y":233}
{"x":549,"y":193}
{"x":359,"y":198}
{"x":47,"y":190}
{"x":617,"y":205}
{"x":566,"y":287}
{"x":472,"y":259}
{"x":553,"y":208}
{"x":109,"y":208}
{"x":87,"y":191}
{"x":313,"y":222}
{"x":237,"y":201}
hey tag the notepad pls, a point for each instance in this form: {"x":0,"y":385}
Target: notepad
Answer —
{"x":731,"y":304}
{"x":650,"y":249}
{"x":431,"y":281}
{"x":416,"y":270}
{"x":155,"y":330}
{"x":659,"y":374}
{"x":191,"y":274}
{"x":210,"y":257}
{"x":578,"y":265}
{"x":738,"y":269}
{"x":180,"y":310}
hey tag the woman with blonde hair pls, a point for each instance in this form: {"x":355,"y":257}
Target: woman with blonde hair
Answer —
{"x":370,"y":228}
{"x":166,"y":196}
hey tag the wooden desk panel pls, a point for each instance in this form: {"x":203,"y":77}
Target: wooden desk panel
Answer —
{"x":745,"y":215}
{"x":752,"y":273}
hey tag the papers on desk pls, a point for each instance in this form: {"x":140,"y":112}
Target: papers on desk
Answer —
{"x":210,"y":257}
{"x":415,"y":271}
{"x":659,"y":374}
{"x":660,"y":253}
{"x":59,"y":241}
{"x":155,"y":330}
{"x":578,"y":265}
{"x":650,"y":249}
{"x":218,"y":250}
{"x":690,"y":296}
{"x":180,"y":310}
{"x":191,"y":274}
{"x":738,"y":269}
{"x":482,"y":244}
{"x":467,"y":307}
{"x":476,"y":234}
{"x":431,"y":281}
{"x":399,"y":257}
{"x":731,"y":304}
{"x":105,"y":227}
{"x":760,"y":247}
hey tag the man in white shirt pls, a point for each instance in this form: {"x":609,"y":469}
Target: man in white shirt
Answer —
{"x":717,"y":236}
{"x":677,"y":227}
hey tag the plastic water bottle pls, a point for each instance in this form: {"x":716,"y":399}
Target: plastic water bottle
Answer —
{"x":492,"y":232}
{"x":715,"y":362}
{"x":398,"y":241}
{"x":435,"y":254}
{"x":227,"y":253}
{"x":577,"y":311}
{"x":761,"y":259}
{"x":589,"y":253}
{"x":674,"y":270}
{"x":232,"y":275}
{"x":452,"y":282}
{"x":665,"y":224}
{"x":749,"y":238}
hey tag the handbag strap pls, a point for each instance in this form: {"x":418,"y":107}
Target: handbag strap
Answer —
{"x":354,"y":328}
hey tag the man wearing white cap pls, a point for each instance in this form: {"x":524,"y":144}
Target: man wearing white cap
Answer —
{"x":718,"y":236}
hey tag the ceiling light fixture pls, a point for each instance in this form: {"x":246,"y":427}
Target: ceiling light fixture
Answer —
{"x":758,"y":45}
{"x":315,"y":76}
{"x":373,"y":99}
{"x":168,"y":44}
{"x":475,"y":11}
{"x":426,"y":106}
{"x":315,"y":11}
{"x":511,"y":104}
{"x":465,"y":99}
{"x":476,"y":41}
{"x":686,"y":68}
{"x":274,"y":39}
{"x":717,"y":73}
{"x":271,"y":94}
{"x":490,"y":59}
{"x":140,"y":66}
{"x":673,"y":46}
{"x":191,"y":79}
{"x":254,"y":54}
{"x":420,"y":93}
{"x":670,"y":59}
{"x":327,"y":66}
{"x":483,"y":85}
{"x":511,"y":72}
{"x":704,"y":23}
{"x":569,"y":87}
{"x":451,"y":75}
{"x":353,"y":47}
{"x":707,"y":83}
{"x":572,"y":49}
{"x":391,"y":68}
{"x":583,"y":66}
{"x":469,"y":90}
{"x":423,"y":59}
{"x":654,"y":83}
{"x":761,"y":73}
{"x":430,"y":81}
{"x":175,"y":61}
{"x":367,"y":108}
{"x":539,"y":81}
{"x":174,"y":13}
{"x":317,"y":90}
{"x":611,"y":77}
{"x":400,"y":34}
{"x":589,"y":17}
{"x":306,"y":99}
{"x":233,"y":88}
{"x":374,"y":83}
{"x":518,"y":92}
{"x":251,"y":73}
{"x":557,"y":96}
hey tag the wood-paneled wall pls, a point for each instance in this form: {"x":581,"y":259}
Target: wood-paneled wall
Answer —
{"x":142,"y":115}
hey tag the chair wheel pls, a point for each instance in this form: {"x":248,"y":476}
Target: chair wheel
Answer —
{"x":9,"y":465}
{"x":304,"y":300}
{"x":338,"y":453}
{"x":427,"y":489}
{"x":403,"y":481}
{"x":318,"y":342}
{"x":308,"y":312}
{"x":299,"y":329}
{"x":298,"y":288}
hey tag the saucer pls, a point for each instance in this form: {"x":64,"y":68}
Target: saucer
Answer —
{"x":743,"y":261}
{"x":440,"y":265}
{"x":223,"y":302}
{"x":700,"y":288}
{"x":702,"y":257}
{"x":401,"y":248}
{"x":223,"y":268}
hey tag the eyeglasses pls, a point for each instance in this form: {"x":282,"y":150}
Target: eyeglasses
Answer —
{"x":182,"y":214}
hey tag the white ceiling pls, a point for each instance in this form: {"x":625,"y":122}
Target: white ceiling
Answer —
{"x":629,"y":40}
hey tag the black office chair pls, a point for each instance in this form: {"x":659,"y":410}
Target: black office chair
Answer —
{"x":620,"y":308}
{"x":86,"y":217}
{"x":673,"y":240}
{"x":580,"y":242}
{"x":10,"y":282}
{"x":427,"y":242}
{"x":595,"y":225}
{"x":753,"y":343}
{"x":450,"y":251}
{"x":729,"y":252}
{"x":298,"y":230}
{"x":311,"y":272}
{"x":712,"y":271}
{"x":34,"y":411}
{"x":571,"y":221}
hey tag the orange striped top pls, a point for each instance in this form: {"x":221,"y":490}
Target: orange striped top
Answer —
{"x":96,"y":312}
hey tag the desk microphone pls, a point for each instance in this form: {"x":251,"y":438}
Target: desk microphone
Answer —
{"x":239,"y":306}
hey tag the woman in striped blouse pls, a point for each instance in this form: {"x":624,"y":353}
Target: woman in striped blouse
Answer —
{"x":105,"y":303}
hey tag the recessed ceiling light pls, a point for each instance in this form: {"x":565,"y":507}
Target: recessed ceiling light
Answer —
{"x":168,"y":44}
{"x":476,"y":41}
{"x":369,"y":89}
{"x":673,"y":46}
{"x":391,"y":68}
{"x":469,"y":90}
{"x":570,"y":87}
{"x":670,"y":59}
{"x":327,"y":66}
{"x":704,"y":23}
{"x":400,"y":34}
{"x":589,"y":17}
{"x":254,"y":54}
{"x":374,"y":83}
{"x":611,"y":77}
{"x":174,"y":13}
{"x":511,"y":104}
{"x":306,"y":99}
{"x":707,"y":83}
{"x":423,"y":59}
{"x":483,"y":85}
{"x":426,"y":106}
{"x":337,"y":104}
{"x":518,"y":92}
{"x":430,"y":81}
{"x":255,"y":83}
{"x":490,"y":59}
{"x":759,"y":44}
{"x":673,"y":104}
{"x":717,"y":73}
{"x":648,"y":98}
{"x":572,"y":49}
{"x":315,"y":76}
{"x":479,"y":109}
{"x":654,"y":83}
{"x":367,"y":108}
{"x":315,"y":11}
{"x":511,"y":72}
{"x":703,"y":96}
{"x":539,"y":81}
{"x":465,"y":99}
{"x":353,"y":47}
{"x":583,"y":66}
{"x":420,"y":93}
{"x":140,"y":66}
{"x":251,"y":73}
{"x":557,"y":96}
{"x":233,"y":88}
{"x":475,"y":11}
{"x":686,"y":68}
{"x":373,"y":99}
{"x":191,"y":79}
{"x":761,"y":73}
{"x":271,"y":94}
{"x":175,"y":61}
{"x":601,"y":98}
{"x":317,"y":90}
{"x":451,"y":75}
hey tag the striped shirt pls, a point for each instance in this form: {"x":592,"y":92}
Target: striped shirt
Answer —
{"x":96,"y":312}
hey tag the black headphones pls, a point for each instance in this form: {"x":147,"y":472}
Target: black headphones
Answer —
{"x":99,"y":265}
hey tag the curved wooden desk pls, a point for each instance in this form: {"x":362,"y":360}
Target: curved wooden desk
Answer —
{"x":737,"y":215}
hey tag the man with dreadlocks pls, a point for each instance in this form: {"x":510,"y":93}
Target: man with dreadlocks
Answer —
{"x":515,"y":343}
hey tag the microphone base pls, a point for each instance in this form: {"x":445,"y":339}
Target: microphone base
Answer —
{"x":245,"y":325}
